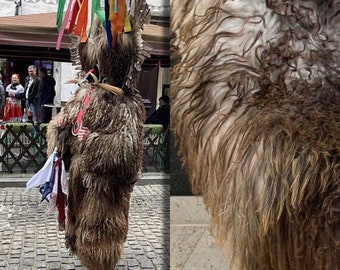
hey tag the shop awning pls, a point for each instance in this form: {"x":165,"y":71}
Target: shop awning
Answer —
{"x":35,"y":36}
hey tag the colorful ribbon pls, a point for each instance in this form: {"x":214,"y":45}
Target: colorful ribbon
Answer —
{"x":80,"y":13}
{"x":64,"y":22}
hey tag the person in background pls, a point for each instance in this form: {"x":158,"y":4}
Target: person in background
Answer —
{"x":14,"y":91}
{"x":32,"y":85}
{"x":46,"y":94}
{"x":162,"y":114}
{"x":2,"y":97}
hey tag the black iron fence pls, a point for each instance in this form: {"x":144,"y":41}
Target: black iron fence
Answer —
{"x":23,"y":148}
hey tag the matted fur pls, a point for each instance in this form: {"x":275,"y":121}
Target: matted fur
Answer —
{"x":104,"y":168}
{"x":255,"y":91}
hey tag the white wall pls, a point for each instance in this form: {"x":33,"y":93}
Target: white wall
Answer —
{"x":27,"y":7}
{"x":63,"y":72}
{"x":7,"y":7}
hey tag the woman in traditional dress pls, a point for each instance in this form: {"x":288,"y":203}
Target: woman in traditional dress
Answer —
{"x":14,"y":91}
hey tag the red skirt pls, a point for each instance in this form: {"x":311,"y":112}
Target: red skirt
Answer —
{"x":12,"y":111}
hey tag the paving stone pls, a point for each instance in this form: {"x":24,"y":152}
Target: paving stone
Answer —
{"x":27,"y":262}
{"x":146,"y":263}
{"x":14,"y":261}
{"x":40,"y":258}
{"x":29,"y":238}
{"x":138,"y":252}
{"x":67,"y":267}
{"x":53,"y":266}
{"x":159,"y":261}
{"x":162,"y":267}
{"x":132,"y":262}
{"x":151,"y":255}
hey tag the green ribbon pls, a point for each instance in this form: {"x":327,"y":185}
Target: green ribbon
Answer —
{"x":96,"y":9}
{"x":99,"y":12}
{"x":60,"y":13}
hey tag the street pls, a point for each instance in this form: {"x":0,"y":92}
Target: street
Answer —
{"x":30,"y":240}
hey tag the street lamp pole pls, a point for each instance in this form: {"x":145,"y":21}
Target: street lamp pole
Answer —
{"x":17,"y":6}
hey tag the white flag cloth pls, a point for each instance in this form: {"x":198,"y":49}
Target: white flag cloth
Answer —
{"x":45,"y":173}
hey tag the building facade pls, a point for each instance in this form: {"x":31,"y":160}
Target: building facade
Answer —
{"x":155,"y":76}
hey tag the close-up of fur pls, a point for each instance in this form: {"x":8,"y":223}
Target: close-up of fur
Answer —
{"x":255,"y":90}
{"x":104,"y":168}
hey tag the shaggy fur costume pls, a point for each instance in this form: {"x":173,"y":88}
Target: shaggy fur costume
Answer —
{"x":105,"y":166}
{"x":255,"y":90}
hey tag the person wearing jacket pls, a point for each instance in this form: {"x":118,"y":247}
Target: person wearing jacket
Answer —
{"x":46,"y":94}
{"x":162,"y":114}
{"x":32,"y":85}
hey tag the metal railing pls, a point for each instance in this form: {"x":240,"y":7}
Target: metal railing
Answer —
{"x":23,"y":148}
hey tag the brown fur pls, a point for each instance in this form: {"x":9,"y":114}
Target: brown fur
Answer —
{"x":104,"y":167}
{"x":255,"y":91}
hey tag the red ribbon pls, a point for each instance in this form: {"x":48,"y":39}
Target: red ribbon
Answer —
{"x":61,"y":201}
{"x":78,"y":122}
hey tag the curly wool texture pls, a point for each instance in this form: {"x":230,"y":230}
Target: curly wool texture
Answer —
{"x":256,"y":91}
{"x":104,"y":168}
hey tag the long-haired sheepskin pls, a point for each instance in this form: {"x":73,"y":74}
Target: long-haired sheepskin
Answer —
{"x":104,"y":168}
{"x":255,"y":90}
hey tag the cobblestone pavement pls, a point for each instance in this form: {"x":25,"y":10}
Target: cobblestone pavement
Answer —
{"x":30,"y":240}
